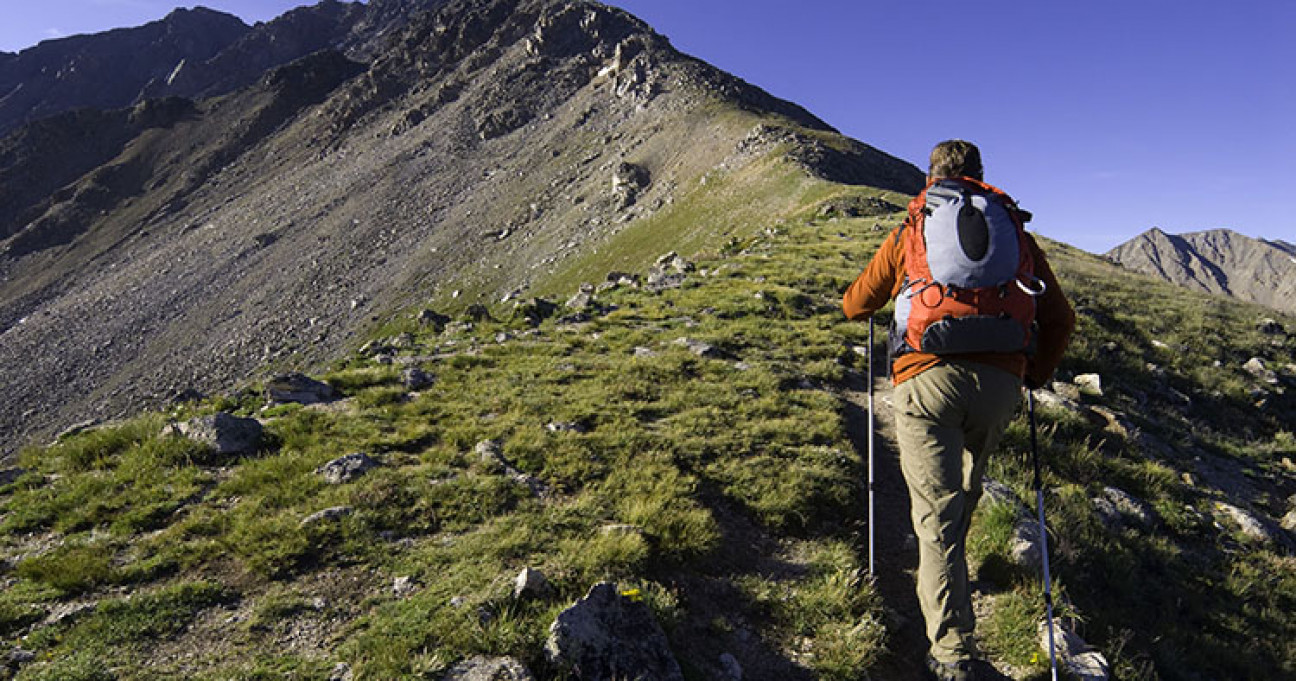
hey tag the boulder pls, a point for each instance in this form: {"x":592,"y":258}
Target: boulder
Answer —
{"x":298,"y":388}
{"x":9,"y":475}
{"x":1251,"y":526}
{"x":226,"y":434}
{"x":346,"y":468}
{"x":483,"y":668}
{"x":1256,"y":367}
{"x":415,"y":378}
{"x":433,"y":319}
{"x":530,"y":583}
{"x":608,"y":636}
{"x":332,"y":513}
{"x":1074,"y":656}
{"x":1089,"y":384}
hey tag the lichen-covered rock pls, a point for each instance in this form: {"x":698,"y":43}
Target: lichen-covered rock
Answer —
{"x":609,"y":636}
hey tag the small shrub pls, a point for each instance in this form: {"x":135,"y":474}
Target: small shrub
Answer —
{"x":71,"y":568}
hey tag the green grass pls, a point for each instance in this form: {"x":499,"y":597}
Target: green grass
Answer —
{"x":681,"y":470}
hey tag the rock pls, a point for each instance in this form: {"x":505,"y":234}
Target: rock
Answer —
{"x":534,"y":310}
{"x":9,"y":475}
{"x":1024,"y":546}
{"x":483,"y":668}
{"x":328,"y":514}
{"x":1075,"y":657}
{"x":530,"y":583}
{"x":608,"y":636}
{"x":477,"y":313}
{"x":566,"y":427}
{"x":341,"y":672}
{"x":1271,"y":327}
{"x":19,"y":656}
{"x":1256,"y":367}
{"x":346,"y":468}
{"x":673,"y":261}
{"x":415,"y":378}
{"x":1289,"y":520}
{"x":581,"y":302}
{"x":732,"y":671}
{"x":1049,"y":398}
{"x":404,"y":587}
{"x":298,"y":388}
{"x":996,"y":492}
{"x":1129,"y":506}
{"x":490,"y":452}
{"x":226,"y":434}
{"x":1089,"y":384}
{"x":433,"y":319}
{"x":1251,"y":526}
{"x":641,"y":351}
{"x":699,"y":348}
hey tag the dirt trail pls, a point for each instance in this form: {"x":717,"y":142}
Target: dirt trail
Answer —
{"x":896,"y":555}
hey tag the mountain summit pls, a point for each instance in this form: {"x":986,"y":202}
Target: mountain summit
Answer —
{"x":266,"y":198}
{"x":1217,"y":261}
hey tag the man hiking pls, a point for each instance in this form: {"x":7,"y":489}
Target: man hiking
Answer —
{"x":978,"y":312}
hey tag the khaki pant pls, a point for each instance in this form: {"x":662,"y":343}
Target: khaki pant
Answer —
{"x":948,"y":420}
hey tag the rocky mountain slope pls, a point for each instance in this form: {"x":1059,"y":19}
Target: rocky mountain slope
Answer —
{"x":466,"y":150}
{"x":1217,"y":261}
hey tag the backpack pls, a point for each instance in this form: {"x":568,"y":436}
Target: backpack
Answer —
{"x":970,"y":283}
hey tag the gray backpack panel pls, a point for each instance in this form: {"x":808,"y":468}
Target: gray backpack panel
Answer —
{"x":971,"y":239}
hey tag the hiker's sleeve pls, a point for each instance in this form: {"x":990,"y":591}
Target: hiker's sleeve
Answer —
{"x":874,"y":286}
{"x":1056,"y":323}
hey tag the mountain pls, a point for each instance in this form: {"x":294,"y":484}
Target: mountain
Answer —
{"x":1217,"y":261}
{"x":494,"y":322}
{"x":176,"y":244}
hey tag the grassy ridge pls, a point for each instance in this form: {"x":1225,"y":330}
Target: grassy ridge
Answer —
{"x":722,"y":486}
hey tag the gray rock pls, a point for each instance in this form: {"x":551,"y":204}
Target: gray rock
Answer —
{"x":404,"y":587}
{"x":9,"y":475}
{"x":346,"y":468}
{"x":226,"y":434}
{"x":1128,"y":506}
{"x":19,"y":656}
{"x":998,"y":493}
{"x":328,"y":514}
{"x":1024,"y":546}
{"x":433,"y":319}
{"x":608,"y":636}
{"x":483,"y":668}
{"x":641,"y":351}
{"x":1089,"y":384}
{"x":700,"y":348}
{"x":341,"y":672}
{"x":566,"y":427}
{"x":1251,"y":526}
{"x":490,"y":452}
{"x":530,"y":583}
{"x":731,"y":669}
{"x":1076,"y":657}
{"x":581,"y":302}
{"x":298,"y":388}
{"x":1271,"y":327}
{"x":1256,"y":367}
{"x":415,"y":378}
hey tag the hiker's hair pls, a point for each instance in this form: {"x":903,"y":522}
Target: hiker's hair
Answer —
{"x":956,"y":158}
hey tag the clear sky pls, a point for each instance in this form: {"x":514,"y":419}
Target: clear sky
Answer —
{"x":1103,"y":117}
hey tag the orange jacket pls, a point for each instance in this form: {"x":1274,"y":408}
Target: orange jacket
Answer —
{"x":880,"y":282}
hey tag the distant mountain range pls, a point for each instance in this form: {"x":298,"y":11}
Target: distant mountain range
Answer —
{"x":1217,"y":261}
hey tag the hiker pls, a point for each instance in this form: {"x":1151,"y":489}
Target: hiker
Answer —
{"x":978,"y":312}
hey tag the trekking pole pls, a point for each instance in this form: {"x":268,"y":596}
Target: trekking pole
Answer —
{"x":1039,"y":502}
{"x":870,"y":445}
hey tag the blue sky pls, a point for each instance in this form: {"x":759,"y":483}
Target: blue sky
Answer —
{"x":1104,"y":117}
